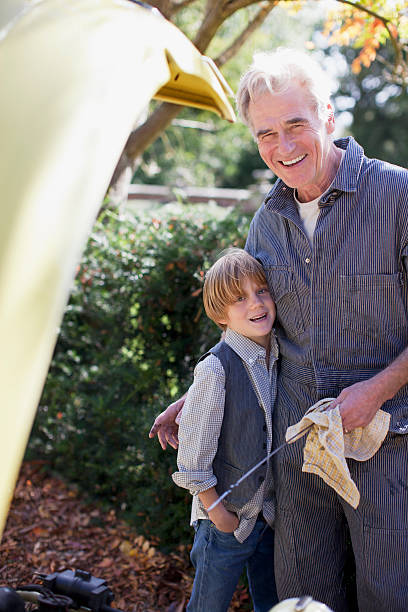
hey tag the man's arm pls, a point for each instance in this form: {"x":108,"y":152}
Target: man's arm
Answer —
{"x":165,"y":425}
{"x":360,"y":401}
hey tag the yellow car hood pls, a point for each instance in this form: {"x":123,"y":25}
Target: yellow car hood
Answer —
{"x":75,"y":77}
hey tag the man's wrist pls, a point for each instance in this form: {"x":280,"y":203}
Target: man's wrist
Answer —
{"x":386,"y":384}
{"x":393,"y":377}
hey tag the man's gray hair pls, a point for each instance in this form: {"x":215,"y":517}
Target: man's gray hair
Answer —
{"x":276,"y":71}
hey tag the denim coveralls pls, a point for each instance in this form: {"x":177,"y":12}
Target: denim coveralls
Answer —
{"x":342,"y":307}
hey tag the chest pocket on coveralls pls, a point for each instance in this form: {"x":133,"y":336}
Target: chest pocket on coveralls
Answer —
{"x":372,"y":304}
{"x":282,"y":290}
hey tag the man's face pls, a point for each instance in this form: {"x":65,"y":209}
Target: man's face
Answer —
{"x":293,"y":142}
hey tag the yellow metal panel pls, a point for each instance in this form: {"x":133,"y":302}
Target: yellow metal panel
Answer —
{"x":75,"y":76}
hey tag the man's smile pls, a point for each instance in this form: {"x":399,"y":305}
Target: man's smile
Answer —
{"x":294,"y":161}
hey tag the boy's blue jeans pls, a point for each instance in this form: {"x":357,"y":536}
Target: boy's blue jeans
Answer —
{"x":219,"y":559}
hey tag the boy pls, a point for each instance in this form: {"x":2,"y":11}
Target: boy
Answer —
{"x":225,"y":429}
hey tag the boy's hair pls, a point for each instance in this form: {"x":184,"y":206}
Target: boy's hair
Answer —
{"x":223,"y":281}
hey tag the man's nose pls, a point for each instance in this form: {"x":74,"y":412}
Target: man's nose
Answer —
{"x":286,"y":143}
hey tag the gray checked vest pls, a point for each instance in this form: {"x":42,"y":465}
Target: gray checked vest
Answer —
{"x":243,"y":439}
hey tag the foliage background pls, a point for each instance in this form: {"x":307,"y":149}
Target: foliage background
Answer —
{"x":218,"y":153}
{"x":378,"y":110}
{"x":132,"y":333}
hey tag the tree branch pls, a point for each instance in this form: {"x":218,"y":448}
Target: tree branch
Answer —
{"x":236,"y":45}
{"x":147,"y":133}
{"x":365,"y":9}
{"x":234,"y":5}
{"x":168,"y":8}
{"x":385,"y":21}
{"x":216,"y":13}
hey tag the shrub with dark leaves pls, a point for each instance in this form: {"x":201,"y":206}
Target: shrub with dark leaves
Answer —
{"x":131,"y":335}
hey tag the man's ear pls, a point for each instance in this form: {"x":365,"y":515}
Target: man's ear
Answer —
{"x":331,"y":122}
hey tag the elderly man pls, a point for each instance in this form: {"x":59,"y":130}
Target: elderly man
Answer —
{"x":332,"y":236}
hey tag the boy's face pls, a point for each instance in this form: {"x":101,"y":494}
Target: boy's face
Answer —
{"x":253,"y":313}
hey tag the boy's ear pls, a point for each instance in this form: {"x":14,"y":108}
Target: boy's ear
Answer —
{"x":221,"y":322}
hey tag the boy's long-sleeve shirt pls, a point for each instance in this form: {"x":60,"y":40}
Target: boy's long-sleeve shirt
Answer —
{"x":201,"y":423}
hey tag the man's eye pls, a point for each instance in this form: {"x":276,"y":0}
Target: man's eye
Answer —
{"x":268,"y":137}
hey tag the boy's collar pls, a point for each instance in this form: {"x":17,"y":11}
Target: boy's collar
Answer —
{"x":247,"y":349}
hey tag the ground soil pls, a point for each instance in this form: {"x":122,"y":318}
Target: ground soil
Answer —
{"x":50,"y":529}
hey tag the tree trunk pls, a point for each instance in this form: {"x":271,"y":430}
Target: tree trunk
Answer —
{"x":144,"y":135}
{"x":138,"y":142}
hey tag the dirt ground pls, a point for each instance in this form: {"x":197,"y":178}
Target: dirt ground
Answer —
{"x":49,"y":529}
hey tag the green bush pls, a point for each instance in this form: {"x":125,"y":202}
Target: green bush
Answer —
{"x":131,"y":335}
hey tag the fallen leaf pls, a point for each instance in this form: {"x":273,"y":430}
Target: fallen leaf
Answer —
{"x":49,"y":530}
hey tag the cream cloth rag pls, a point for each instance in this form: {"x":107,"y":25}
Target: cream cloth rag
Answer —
{"x":327,"y":447}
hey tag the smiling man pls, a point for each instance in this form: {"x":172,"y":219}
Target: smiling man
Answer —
{"x":332,"y":236}
{"x":293,"y":141}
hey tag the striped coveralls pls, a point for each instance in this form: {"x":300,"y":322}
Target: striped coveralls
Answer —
{"x":342,"y":316}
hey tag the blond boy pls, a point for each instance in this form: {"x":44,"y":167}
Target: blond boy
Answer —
{"x":226,"y":428}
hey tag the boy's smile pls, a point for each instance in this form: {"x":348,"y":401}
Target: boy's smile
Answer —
{"x":253,"y":313}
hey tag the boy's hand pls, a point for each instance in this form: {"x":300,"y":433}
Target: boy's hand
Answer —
{"x":165,"y":425}
{"x":223,"y":519}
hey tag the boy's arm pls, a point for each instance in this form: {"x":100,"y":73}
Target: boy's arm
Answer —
{"x":166,"y":424}
{"x":222,"y":518}
{"x":199,"y":432}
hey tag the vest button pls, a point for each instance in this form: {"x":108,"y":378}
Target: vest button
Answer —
{"x":264,"y":446}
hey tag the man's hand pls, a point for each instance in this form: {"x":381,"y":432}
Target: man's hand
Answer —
{"x":165,"y":425}
{"x":359,"y":403}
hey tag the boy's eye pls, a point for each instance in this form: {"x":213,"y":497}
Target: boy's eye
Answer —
{"x":240,"y":298}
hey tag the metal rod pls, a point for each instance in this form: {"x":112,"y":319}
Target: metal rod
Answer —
{"x":255,"y":467}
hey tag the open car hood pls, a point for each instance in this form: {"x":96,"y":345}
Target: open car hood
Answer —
{"x":75,"y":78}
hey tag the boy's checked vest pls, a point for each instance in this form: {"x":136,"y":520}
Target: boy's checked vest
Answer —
{"x":243,"y":439}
